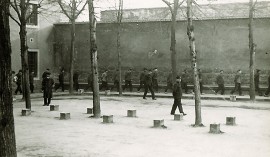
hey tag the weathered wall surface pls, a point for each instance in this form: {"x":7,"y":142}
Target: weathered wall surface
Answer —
{"x":221,"y":44}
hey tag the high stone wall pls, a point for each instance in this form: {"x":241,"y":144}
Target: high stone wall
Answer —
{"x":221,"y":44}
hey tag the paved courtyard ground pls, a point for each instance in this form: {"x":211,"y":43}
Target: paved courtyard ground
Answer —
{"x":43,"y":134}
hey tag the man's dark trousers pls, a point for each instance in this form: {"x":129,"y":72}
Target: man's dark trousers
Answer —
{"x":220,"y":87}
{"x":237,"y":87}
{"x":146,"y":87}
{"x":177,"y":102}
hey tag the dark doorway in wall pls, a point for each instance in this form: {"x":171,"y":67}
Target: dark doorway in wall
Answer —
{"x":33,"y":62}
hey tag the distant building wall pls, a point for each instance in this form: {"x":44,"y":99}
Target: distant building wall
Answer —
{"x":40,"y":40}
{"x":221,"y":44}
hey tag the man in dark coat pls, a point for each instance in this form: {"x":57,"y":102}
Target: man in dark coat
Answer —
{"x":18,"y":81}
{"x":44,"y":75}
{"x":142,"y":79}
{"x":268,"y":90}
{"x":61,"y":80}
{"x":76,"y":80}
{"x":237,"y":81}
{"x":116,"y":80}
{"x":148,"y":85}
{"x":31,"y":81}
{"x":47,"y":87}
{"x":155,"y":79}
{"x":169,"y":82}
{"x":177,"y":95}
{"x":220,"y":83}
{"x":257,"y":82}
{"x":128,"y":80}
{"x":184,"y":81}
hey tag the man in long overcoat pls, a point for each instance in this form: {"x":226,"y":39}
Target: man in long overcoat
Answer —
{"x":47,"y":87}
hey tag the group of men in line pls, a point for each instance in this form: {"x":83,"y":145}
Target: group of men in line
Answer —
{"x":184,"y":81}
{"x":148,"y":81}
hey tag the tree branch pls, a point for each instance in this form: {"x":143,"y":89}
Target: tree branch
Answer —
{"x":181,"y":3}
{"x":76,"y":16}
{"x":169,"y":5}
{"x":62,"y":8}
{"x":12,"y":17}
{"x":15,"y":8}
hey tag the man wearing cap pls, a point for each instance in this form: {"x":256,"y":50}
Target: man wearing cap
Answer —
{"x":220,"y":83}
{"x":128,"y":80}
{"x":148,"y":85}
{"x":177,"y":95}
{"x":142,"y":79}
{"x":47,"y":87}
{"x":237,"y":82}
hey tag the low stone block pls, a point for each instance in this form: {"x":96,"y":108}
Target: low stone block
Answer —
{"x":158,"y":123}
{"x":233,"y":98}
{"x":107,"y":92}
{"x":26,"y":112}
{"x":230,"y":120}
{"x":64,"y":115}
{"x":54,"y":107}
{"x":131,"y":113}
{"x":178,"y":117}
{"x":215,"y":128}
{"x":89,"y":110}
{"x":107,"y":118}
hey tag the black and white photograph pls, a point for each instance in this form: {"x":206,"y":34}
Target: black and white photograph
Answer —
{"x":134,"y":78}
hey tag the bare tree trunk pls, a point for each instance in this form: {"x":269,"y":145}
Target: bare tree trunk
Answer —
{"x":252,"y":52}
{"x":72,"y":51}
{"x":173,"y":40}
{"x":173,"y":11}
{"x":193,"y":53}
{"x":94,"y":62}
{"x":7,"y":129}
{"x":119,"y":19}
{"x":24,"y":58}
{"x":25,"y":68}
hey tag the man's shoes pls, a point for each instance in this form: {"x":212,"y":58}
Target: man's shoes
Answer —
{"x":45,"y":105}
{"x":172,"y":113}
{"x":144,"y":98}
{"x":184,"y":114}
{"x":154,"y":99}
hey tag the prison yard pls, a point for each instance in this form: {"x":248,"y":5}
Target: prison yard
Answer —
{"x":125,"y":78}
{"x":134,"y":134}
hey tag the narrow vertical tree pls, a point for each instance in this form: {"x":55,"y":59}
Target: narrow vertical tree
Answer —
{"x":24,"y":13}
{"x":119,"y":21}
{"x":173,"y":7}
{"x":94,"y":61}
{"x":252,"y":52}
{"x":72,"y":10}
{"x":7,"y":129}
{"x":193,"y":54}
